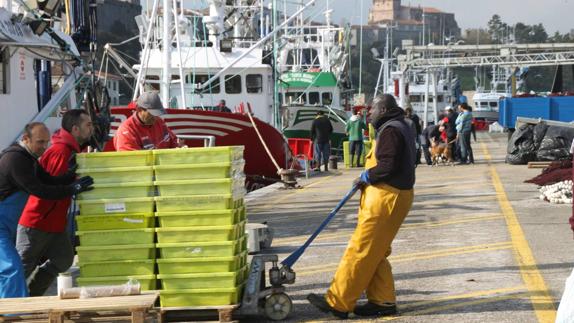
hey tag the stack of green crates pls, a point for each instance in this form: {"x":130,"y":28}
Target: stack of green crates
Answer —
{"x":116,"y":221}
{"x":200,"y":238}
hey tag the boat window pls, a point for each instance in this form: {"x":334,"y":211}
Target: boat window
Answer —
{"x":440,"y":98}
{"x":314,"y":98}
{"x":254,"y":83}
{"x":199,"y":79}
{"x":306,"y":57}
{"x":484,"y":104}
{"x":233,"y":84}
{"x":493,"y":104}
{"x":4,"y":70}
{"x":415,"y":98}
{"x":295,"y":98}
{"x":327,"y":98}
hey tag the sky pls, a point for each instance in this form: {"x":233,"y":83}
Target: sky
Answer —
{"x":555,"y":15}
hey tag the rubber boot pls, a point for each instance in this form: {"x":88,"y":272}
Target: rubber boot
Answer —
{"x":326,"y":166}
{"x":352,"y":159}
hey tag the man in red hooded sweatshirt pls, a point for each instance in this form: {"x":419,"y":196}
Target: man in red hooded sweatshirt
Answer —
{"x":42,"y":227}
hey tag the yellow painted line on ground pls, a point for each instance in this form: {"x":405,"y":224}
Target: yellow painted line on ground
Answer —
{"x":408,"y":309}
{"x":451,"y":199}
{"x":311,"y":270}
{"x":540,"y":298}
{"x":446,"y":187}
{"x":410,"y":226}
{"x":481,"y":293}
{"x":462,"y":304}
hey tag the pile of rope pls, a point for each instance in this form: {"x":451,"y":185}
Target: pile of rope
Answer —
{"x":558,"y":193}
{"x":558,"y":171}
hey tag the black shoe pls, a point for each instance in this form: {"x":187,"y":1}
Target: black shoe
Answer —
{"x":319,"y":302}
{"x":371,"y":309}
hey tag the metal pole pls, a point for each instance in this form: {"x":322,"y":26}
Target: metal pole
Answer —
{"x":361,"y":50}
{"x":426,"y":113}
{"x":178,"y":42}
{"x":146,"y":52}
{"x":379,"y":78}
{"x":434,"y":102}
{"x":276,"y":119}
{"x":166,"y":43}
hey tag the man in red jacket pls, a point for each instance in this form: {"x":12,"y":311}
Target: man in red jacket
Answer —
{"x":42,"y":227}
{"x":145,"y":129}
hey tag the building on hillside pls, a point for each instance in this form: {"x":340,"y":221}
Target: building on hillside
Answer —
{"x":420,"y":24}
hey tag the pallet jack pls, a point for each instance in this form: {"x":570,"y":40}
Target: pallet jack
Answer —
{"x":267,"y":297}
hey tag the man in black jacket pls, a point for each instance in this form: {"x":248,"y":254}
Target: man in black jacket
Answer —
{"x":386,"y":198}
{"x":429,"y":137}
{"x":20,"y":176}
{"x":321,"y":130}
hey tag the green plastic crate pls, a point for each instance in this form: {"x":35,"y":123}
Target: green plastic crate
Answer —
{"x":202,"y":233}
{"x":201,"y":264}
{"x":180,"y":219}
{"x":202,"y":155}
{"x":234,"y":186}
{"x":115,"y":159}
{"x":110,"y":206}
{"x":117,"y":268}
{"x":201,"y":249}
{"x":199,"y":171}
{"x":200,"y":297}
{"x":207,"y":280}
{"x":115,"y":221}
{"x":119,"y":190}
{"x":116,"y":237}
{"x":116,"y":252}
{"x":147,"y":282}
{"x":197,"y":202}
{"x":119,"y":174}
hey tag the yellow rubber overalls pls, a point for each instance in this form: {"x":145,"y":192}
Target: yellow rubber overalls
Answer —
{"x":364,"y":265}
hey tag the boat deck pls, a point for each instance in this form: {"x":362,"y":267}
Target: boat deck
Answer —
{"x":477,"y":246}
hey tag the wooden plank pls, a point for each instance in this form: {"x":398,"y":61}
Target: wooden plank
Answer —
{"x":56,"y":317}
{"x":138,"y":315}
{"x":53,"y":303}
{"x":224,"y":313}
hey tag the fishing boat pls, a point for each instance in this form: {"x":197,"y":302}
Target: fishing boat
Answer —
{"x":313,"y":67}
{"x":202,"y":58}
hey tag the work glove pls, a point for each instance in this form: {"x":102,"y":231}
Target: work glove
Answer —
{"x":83,"y":184}
{"x":362,"y":180}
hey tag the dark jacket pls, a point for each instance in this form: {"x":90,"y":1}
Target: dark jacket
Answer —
{"x":321,"y":129}
{"x":20,"y":171}
{"x":51,"y":215}
{"x":451,"y":125}
{"x":395,"y":152}
{"x":430,"y":132}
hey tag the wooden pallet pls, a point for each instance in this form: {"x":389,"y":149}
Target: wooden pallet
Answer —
{"x":224,"y":313}
{"x":55,"y":310}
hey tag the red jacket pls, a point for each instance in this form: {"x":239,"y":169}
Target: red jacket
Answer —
{"x":51,"y":215}
{"x":134,"y":135}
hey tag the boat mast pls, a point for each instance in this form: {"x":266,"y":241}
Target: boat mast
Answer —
{"x":166,"y":71}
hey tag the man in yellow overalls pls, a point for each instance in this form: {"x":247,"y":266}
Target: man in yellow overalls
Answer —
{"x":387,"y":196}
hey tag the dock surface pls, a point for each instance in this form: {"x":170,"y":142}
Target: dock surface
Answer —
{"x":477,"y":246}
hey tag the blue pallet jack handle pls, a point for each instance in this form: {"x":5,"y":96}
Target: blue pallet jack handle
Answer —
{"x":293,"y":257}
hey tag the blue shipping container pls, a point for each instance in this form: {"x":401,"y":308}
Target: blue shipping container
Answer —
{"x":558,"y":108}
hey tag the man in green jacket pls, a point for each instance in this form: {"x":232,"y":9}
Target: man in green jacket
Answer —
{"x":354,"y":130}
